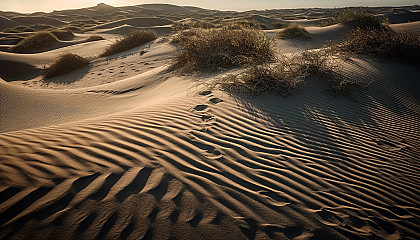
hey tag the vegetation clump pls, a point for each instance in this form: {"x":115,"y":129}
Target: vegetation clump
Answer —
{"x":134,"y":39}
{"x":358,"y":18}
{"x":33,"y":42}
{"x":210,"y":49}
{"x":287,"y":73}
{"x":94,"y":38}
{"x":383,"y":43}
{"x":62,"y":34}
{"x":64,"y":64}
{"x":294,"y":31}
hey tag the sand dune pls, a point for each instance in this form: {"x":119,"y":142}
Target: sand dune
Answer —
{"x":136,"y":22}
{"x":7,"y":23}
{"x":412,"y":26}
{"x":32,"y":20}
{"x":320,"y":36}
{"x":125,"y":149}
{"x":126,"y":29}
{"x":214,"y":166}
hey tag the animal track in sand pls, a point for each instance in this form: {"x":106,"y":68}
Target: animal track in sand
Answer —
{"x":205,"y":93}
{"x":215,"y":100}
{"x":200,"y":107}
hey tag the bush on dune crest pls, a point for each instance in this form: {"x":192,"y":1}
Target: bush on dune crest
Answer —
{"x":359,"y":18}
{"x":287,"y":73}
{"x":294,"y":31}
{"x":33,"y":42}
{"x":202,"y":49}
{"x":94,"y":38}
{"x":134,"y":39}
{"x":64,"y":64}
{"x":62,"y":34}
{"x":383,"y":43}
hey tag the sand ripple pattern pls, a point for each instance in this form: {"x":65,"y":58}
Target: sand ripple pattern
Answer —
{"x":310,"y":166}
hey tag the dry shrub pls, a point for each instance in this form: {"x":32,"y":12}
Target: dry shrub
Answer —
{"x":358,"y":18}
{"x":64,"y":64}
{"x":94,"y":38}
{"x":134,"y":39}
{"x":222,"y":48}
{"x":383,"y":43}
{"x":62,"y":34}
{"x":280,"y":25}
{"x":287,"y":73}
{"x":294,"y":31}
{"x":263,"y":78}
{"x":33,"y":42}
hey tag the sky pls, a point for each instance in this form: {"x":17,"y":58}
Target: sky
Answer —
{"x":238,"y":5}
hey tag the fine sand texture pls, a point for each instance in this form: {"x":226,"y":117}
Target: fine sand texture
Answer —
{"x":127,"y":149}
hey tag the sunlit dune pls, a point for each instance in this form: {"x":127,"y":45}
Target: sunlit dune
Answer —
{"x":159,"y":121}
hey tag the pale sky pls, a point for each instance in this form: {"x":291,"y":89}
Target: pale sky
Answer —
{"x":239,"y":5}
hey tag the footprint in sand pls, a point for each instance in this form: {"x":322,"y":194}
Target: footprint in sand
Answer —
{"x":215,"y":100}
{"x":205,"y":93}
{"x":200,"y":107}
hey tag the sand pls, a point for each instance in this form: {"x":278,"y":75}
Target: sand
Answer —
{"x":125,"y":149}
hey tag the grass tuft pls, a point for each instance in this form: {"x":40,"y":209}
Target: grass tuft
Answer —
{"x":94,"y":38}
{"x":62,"y":34}
{"x":285,"y":75}
{"x":202,"y":50}
{"x":383,"y":43}
{"x":64,"y":64}
{"x":294,"y":31}
{"x":33,"y":42}
{"x":134,"y":39}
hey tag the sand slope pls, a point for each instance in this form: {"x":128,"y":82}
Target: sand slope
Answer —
{"x":186,"y":162}
{"x":129,"y":150}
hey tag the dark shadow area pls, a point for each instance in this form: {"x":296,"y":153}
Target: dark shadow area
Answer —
{"x":15,"y":71}
{"x":70,"y":77}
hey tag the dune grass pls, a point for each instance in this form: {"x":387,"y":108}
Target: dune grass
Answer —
{"x":358,"y":18}
{"x":383,"y":43}
{"x":134,"y":39}
{"x":280,"y":25}
{"x":62,"y":34}
{"x":94,"y":38}
{"x":294,"y":31}
{"x":64,"y":64}
{"x":33,"y":42}
{"x":203,"y":50}
{"x":287,"y":73}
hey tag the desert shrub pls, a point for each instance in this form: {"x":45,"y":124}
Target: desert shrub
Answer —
{"x":183,"y":35}
{"x":358,"y":18}
{"x":221,"y":48}
{"x":280,"y":25}
{"x":41,"y":27}
{"x":383,"y":43}
{"x":64,"y":64}
{"x":263,"y":78}
{"x":73,"y":29}
{"x":294,"y":31}
{"x":36,"y":41}
{"x":19,"y":29}
{"x":32,"y":28}
{"x":62,"y":34}
{"x":285,"y":75}
{"x":94,"y":38}
{"x":134,"y":39}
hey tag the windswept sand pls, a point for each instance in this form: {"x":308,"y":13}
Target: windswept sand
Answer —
{"x":132,"y":151}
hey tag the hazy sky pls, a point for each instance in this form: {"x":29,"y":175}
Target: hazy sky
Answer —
{"x":49,"y":5}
